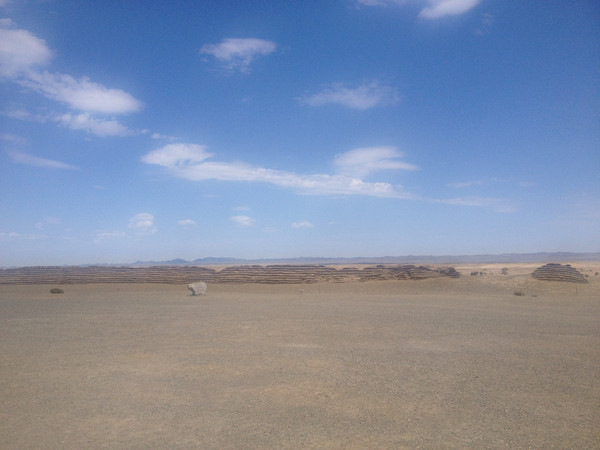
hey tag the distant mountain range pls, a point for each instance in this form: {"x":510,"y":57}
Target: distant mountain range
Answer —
{"x":409,"y":259}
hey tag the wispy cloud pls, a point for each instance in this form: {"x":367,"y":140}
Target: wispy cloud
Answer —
{"x":142,"y":223}
{"x":243,"y":221}
{"x":21,"y":56}
{"x":90,"y":124}
{"x":187,"y":223}
{"x":365,"y":96}
{"x":191,"y":162}
{"x":83,"y":122}
{"x":431,"y":9}
{"x":81,"y":94}
{"x":361,"y":162}
{"x":20,"y":51}
{"x":303,"y":224}
{"x":13,"y":139}
{"x":440,"y":8}
{"x":490,"y":181}
{"x":238,"y":54}
{"x":465,"y":184}
{"x":30,"y":160}
{"x":500,"y":205}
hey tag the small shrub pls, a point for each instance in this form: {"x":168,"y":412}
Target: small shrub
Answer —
{"x":474,"y":274}
{"x":519,"y":293}
{"x":56,"y":291}
{"x":504,"y":271}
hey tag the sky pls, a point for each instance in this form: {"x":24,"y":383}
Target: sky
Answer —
{"x":151,"y":130}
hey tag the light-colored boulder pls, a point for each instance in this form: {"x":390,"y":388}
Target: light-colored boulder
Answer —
{"x":198,"y":288}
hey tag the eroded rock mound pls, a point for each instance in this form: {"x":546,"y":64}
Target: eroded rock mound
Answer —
{"x":559,"y":272}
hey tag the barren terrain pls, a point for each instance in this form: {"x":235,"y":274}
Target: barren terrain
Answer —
{"x":434,"y":363}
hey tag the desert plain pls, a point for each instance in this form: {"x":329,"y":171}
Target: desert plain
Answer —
{"x":435,"y":363}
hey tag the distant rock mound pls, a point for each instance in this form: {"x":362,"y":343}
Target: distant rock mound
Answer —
{"x":559,"y":272}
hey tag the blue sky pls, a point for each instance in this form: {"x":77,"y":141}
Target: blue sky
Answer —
{"x":151,"y":130}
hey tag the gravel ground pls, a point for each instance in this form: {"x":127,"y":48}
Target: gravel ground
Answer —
{"x":368,"y":365}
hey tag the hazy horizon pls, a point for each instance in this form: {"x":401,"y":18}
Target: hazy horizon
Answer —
{"x":155,"y":130}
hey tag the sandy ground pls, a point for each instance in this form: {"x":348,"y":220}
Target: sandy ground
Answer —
{"x":402,"y":364}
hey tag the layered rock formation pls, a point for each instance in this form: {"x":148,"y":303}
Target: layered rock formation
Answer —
{"x":272,"y":274}
{"x":559,"y":272}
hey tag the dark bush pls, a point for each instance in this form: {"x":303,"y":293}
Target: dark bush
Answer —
{"x":56,"y":291}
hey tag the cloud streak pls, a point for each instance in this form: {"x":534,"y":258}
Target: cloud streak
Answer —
{"x":243,"y":221}
{"x":303,"y":224}
{"x":20,"y":51}
{"x":187,"y":223}
{"x":21,"y":56}
{"x":90,"y":124}
{"x":441,"y":8}
{"x":82,"y":94}
{"x":192,"y":162}
{"x":30,"y":160}
{"x":431,"y":9}
{"x":363,"y":97}
{"x":361,"y":162}
{"x":238,"y":54}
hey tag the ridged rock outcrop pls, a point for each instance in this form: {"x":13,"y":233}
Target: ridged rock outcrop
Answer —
{"x":272,"y":274}
{"x":559,"y":272}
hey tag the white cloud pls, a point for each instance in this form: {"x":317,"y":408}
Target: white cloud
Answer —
{"x":30,"y":160}
{"x":497,"y":204}
{"x":13,"y":139}
{"x":361,"y":162}
{"x":177,"y":155}
{"x":81,"y":94}
{"x":303,"y":224}
{"x":238,"y":54}
{"x":491,"y":181}
{"x":88,"y":123}
{"x":465,"y":184}
{"x":432,"y":9}
{"x":361,"y":97}
{"x":20,"y":50}
{"x":21,"y":54}
{"x":187,"y":223}
{"x":441,"y":8}
{"x":189,"y":161}
{"x":142,"y":223}
{"x":243,"y":221}
{"x":84,"y":122}
{"x":160,"y":136}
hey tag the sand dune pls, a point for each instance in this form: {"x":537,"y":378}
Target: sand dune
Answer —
{"x":433,"y":363}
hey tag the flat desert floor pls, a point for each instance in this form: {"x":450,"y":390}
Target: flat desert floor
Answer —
{"x":441,"y":363}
